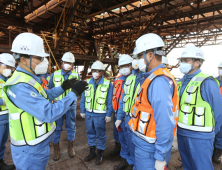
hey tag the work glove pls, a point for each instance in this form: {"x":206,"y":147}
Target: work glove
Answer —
{"x":107,"y":119}
{"x":160,"y":165}
{"x":79,"y":87}
{"x":117,"y":123}
{"x":82,"y":115}
{"x":67,"y":84}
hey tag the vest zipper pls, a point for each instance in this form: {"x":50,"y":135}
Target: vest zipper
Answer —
{"x":94,"y":97}
{"x":64,"y":80}
{"x":119,"y":97}
{"x":193,"y":115}
{"x":46,"y":126}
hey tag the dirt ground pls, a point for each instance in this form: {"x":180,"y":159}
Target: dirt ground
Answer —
{"x":82,"y":149}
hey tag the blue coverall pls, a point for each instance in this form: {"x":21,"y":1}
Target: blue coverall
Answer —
{"x":218,"y":137}
{"x":196,"y":148}
{"x":70,"y":115}
{"x":4,"y":128}
{"x":36,"y":157}
{"x":115,"y":131}
{"x":160,"y":93}
{"x":43,"y":75}
{"x":95,"y":122}
{"x":127,"y":147}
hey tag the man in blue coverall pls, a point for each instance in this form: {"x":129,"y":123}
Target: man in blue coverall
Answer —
{"x":56,"y":79}
{"x":218,"y":138}
{"x":31,"y":114}
{"x":117,"y":93}
{"x":123,"y":117}
{"x":96,"y":108}
{"x":152,"y":121}
{"x":200,"y":115}
{"x":7,"y":65}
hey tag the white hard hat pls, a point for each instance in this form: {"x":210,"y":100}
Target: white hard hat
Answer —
{"x":192,"y":52}
{"x":164,"y":60}
{"x":68,"y":57}
{"x":29,"y":44}
{"x":125,"y":59}
{"x":147,"y":42}
{"x":98,"y":65}
{"x":220,"y":65}
{"x":7,"y":59}
{"x":135,"y":64}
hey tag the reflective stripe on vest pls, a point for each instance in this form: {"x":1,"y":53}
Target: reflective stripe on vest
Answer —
{"x":24,"y":128}
{"x":129,"y":90}
{"x":97,"y":102}
{"x":195,"y":114}
{"x":142,"y":122}
{"x":58,"y":79}
{"x":133,"y":101}
{"x":117,"y":91}
{"x":3,"y":108}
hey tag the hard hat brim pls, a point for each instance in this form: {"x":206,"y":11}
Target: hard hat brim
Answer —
{"x":190,"y":57}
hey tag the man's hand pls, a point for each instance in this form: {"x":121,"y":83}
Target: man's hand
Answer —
{"x":79,"y":87}
{"x":107,"y":119}
{"x":82,"y":115}
{"x":160,"y":165}
{"x":67,"y":84}
{"x":117,"y":123}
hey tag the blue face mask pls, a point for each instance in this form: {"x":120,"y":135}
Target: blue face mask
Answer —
{"x":185,"y":67}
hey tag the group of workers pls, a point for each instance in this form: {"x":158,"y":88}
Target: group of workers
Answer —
{"x":148,"y":107}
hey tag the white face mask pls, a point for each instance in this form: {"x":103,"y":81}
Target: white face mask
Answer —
{"x":67,"y":67}
{"x":42,"y":67}
{"x":220,"y":72}
{"x":142,"y":65}
{"x":120,"y":72}
{"x":95,"y":75}
{"x":185,"y":67}
{"x":125,"y":71}
{"x":7,"y":72}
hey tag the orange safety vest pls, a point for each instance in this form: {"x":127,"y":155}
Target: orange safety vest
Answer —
{"x":221,"y":90}
{"x":142,"y":122}
{"x":44,"y":83}
{"x":117,"y":93}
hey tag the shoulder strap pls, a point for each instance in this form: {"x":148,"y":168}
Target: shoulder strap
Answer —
{"x":58,"y":72}
{"x":106,"y":81}
{"x":20,"y":77}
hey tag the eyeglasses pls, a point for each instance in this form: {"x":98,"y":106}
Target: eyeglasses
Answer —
{"x":185,"y":60}
{"x":38,"y":58}
{"x":97,"y":71}
{"x":139,"y":55}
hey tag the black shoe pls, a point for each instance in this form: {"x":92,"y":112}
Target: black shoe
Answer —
{"x":123,"y":164}
{"x":92,"y":154}
{"x":116,"y":150}
{"x":217,"y":156}
{"x":99,"y":159}
{"x":129,"y":167}
{"x":4,"y":166}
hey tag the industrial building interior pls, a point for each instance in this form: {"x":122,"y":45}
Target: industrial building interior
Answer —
{"x":102,"y":30}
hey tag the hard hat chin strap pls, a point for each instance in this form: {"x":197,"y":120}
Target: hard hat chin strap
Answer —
{"x":147,"y":63}
{"x":30,"y":64}
{"x":192,"y":67}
